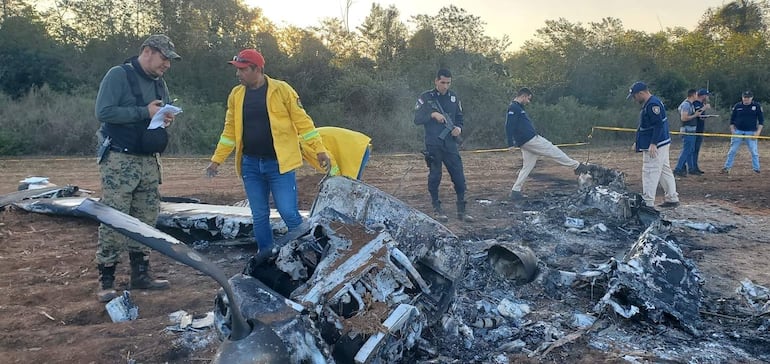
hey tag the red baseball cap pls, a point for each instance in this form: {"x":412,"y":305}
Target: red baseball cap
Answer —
{"x":248,"y":57}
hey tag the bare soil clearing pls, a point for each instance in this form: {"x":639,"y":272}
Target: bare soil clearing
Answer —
{"x":47,"y":276}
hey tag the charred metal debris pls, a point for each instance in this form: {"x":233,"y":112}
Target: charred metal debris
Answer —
{"x":379,"y":282}
{"x":370,"y":280}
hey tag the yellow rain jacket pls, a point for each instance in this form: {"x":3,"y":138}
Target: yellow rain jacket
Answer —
{"x":345,"y":148}
{"x":289,"y":125}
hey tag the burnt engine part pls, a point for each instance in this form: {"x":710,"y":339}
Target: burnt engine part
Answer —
{"x":368,"y":276}
{"x":514,"y":262}
{"x":654,"y":279}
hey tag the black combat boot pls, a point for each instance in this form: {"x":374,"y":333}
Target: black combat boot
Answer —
{"x":461,"y":215}
{"x":438,"y":213}
{"x":140,"y":273}
{"x":106,"y":291}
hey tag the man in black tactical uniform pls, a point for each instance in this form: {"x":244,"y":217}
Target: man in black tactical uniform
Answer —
{"x":440,"y":112}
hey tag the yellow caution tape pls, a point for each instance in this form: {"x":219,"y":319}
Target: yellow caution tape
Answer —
{"x":681,"y":133}
{"x":495,"y":150}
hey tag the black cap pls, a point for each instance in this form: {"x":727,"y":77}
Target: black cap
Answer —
{"x":747,"y":93}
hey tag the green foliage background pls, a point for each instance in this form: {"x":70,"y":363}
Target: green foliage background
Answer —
{"x":367,"y":78}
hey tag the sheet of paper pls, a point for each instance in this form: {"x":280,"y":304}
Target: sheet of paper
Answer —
{"x":157,"y":120}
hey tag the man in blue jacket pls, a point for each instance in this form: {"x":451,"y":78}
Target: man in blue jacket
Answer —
{"x":746,"y":120}
{"x":653,"y":140}
{"x":520,"y":132}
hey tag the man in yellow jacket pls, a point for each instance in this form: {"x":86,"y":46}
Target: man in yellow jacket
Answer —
{"x":348,"y":151}
{"x":265,"y":123}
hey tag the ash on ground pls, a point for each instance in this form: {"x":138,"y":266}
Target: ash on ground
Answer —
{"x":610,"y":277}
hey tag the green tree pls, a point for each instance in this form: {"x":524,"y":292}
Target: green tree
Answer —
{"x":29,"y":58}
{"x":455,"y":29}
{"x":383,"y":34}
{"x":593,"y":64}
{"x":692,"y":54}
{"x":79,"y":21}
{"x":276,"y":61}
{"x":17,"y":8}
{"x":738,"y":68}
{"x":310,"y":70}
{"x":420,"y":59}
{"x":207,"y":34}
{"x":343,"y":43}
{"x":741,"y":16}
{"x":604,"y":64}
{"x":545,"y":64}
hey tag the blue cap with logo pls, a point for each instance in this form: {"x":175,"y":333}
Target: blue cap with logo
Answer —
{"x":636,"y":87}
{"x":703,"y":92}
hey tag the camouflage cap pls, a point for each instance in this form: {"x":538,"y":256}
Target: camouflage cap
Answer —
{"x":162,"y":43}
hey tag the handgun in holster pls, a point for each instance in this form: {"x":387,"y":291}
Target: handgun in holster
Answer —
{"x":104,"y":148}
{"x":428,"y":157}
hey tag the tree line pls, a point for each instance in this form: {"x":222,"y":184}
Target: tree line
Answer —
{"x":366,"y":78}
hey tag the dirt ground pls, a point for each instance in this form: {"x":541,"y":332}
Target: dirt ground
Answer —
{"x":49,"y":313}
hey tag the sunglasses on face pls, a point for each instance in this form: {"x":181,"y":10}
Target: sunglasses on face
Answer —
{"x":242,"y":60}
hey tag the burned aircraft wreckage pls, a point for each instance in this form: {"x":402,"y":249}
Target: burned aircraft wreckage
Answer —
{"x":367,"y":279}
{"x":359,"y":283}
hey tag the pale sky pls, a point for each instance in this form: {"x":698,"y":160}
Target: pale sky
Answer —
{"x":516,"y":18}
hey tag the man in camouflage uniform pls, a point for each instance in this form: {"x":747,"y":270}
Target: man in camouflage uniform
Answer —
{"x":129,"y":96}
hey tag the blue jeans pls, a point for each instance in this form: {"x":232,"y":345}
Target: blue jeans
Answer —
{"x":696,"y":152}
{"x":260,"y":178}
{"x":687,"y":156}
{"x":735,"y":143}
{"x":364,"y":160}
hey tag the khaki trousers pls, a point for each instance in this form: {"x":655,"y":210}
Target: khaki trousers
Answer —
{"x":540,"y":147}
{"x":658,"y":170}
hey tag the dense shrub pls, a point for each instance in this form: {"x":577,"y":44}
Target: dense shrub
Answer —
{"x":485,"y":98}
{"x":567,"y":121}
{"x":196,"y":130}
{"x":49,"y":122}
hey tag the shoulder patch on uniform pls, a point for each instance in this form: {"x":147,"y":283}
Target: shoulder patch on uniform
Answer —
{"x":418,"y":103}
{"x":656,"y":109}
